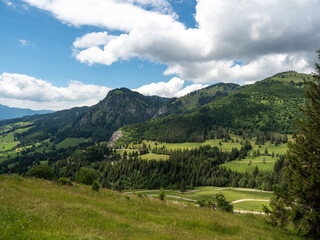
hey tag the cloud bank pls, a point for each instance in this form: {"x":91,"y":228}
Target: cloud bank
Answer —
{"x":28,"y":92}
{"x":265,"y":37}
{"x":19,"y":90}
{"x":173,"y":88}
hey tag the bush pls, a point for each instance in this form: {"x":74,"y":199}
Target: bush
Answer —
{"x":86,"y":175}
{"x":161,"y":194}
{"x":95,"y":186}
{"x":41,"y":171}
{"x":221,"y":203}
{"x":64,"y":181}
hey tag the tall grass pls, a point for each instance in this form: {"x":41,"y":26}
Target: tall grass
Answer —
{"x":39,"y":209}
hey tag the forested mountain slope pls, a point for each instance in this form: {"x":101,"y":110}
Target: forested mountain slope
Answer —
{"x":268,"y":105}
{"x":196,"y":99}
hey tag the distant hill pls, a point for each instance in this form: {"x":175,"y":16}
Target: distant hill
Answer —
{"x":9,"y":113}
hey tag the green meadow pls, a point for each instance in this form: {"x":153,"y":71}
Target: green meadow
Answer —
{"x":153,"y":156}
{"x":206,"y":193}
{"x":71,"y":142}
{"x":39,"y":209}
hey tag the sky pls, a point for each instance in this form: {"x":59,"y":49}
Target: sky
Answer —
{"x":58,"y":54}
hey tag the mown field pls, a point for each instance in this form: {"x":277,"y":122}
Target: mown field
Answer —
{"x":206,"y":193}
{"x":38,"y":209}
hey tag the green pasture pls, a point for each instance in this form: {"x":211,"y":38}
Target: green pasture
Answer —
{"x":152,"y":156}
{"x":49,"y":211}
{"x":244,"y":165}
{"x":71,"y":142}
{"x":206,"y":193}
{"x":251,"y":206}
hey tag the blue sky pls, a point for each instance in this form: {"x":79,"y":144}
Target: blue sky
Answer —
{"x":58,"y":54}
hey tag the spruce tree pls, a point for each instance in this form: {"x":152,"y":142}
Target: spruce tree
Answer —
{"x":300,"y":204}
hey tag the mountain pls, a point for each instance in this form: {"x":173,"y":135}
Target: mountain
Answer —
{"x":119,"y":108}
{"x":268,"y":105}
{"x":9,"y":113}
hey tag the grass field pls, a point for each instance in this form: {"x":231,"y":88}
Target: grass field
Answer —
{"x":244,"y":165}
{"x":152,"y":156}
{"x":71,"y":142}
{"x":250,"y":206}
{"x":38,"y":209}
{"x":226,"y":146}
{"x":231,"y":194}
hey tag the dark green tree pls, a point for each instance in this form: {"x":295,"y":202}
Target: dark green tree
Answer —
{"x":300,"y":204}
{"x":86,"y":175}
{"x":95,"y":186}
{"x":41,"y":171}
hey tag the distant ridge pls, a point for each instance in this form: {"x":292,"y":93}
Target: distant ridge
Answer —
{"x":9,"y":113}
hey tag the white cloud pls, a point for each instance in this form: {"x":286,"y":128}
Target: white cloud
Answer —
{"x":24,"y":42}
{"x":173,"y":88}
{"x":266,"y":36}
{"x":28,"y":92}
{"x":93,"y":39}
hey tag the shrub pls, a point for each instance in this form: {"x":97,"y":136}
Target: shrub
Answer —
{"x":95,"y":186}
{"x":64,"y":181}
{"x":86,"y":175}
{"x":221,"y":203}
{"x":41,"y":171}
{"x":161,"y":194}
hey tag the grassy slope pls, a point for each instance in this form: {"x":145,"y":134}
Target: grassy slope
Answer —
{"x":71,"y":142}
{"x":37,"y":209}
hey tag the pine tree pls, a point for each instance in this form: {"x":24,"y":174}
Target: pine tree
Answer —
{"x":300,"y":204}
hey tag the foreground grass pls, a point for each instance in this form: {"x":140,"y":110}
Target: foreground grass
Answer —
{"x":38,"y":209}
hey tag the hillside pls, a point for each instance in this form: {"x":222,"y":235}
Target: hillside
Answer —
{"x":196,"y":99}
{"x":46,"y":210}
{"x":268,"y":105}
{"x":9,"y":113}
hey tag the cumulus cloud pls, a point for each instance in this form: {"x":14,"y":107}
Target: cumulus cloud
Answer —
{"x":93,"y":39}
{"x":265,"y":36}
{"x":173,"y":88}
{"x":24,"y":91}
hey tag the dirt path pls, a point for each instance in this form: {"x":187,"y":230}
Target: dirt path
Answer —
{"x":142,"y":191}
{"x":252,"y":200}
{"x":186,"y":199}
{"x":252,"y":212}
